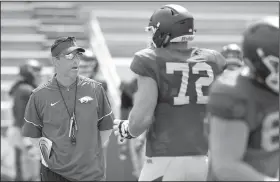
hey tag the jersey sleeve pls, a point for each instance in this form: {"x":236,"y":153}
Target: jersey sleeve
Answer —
{"x":33,"y":123}
{"x":145,"y":66}
{"x":20,"y":101}
{"x":230,"y":106}
{"x":220,"y":61}
{"x":105,"y":114}
{"x":227,"y":107}
{"x":213,"y":57}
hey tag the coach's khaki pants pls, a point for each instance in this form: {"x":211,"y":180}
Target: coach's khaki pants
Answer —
{"x":187,"y":168}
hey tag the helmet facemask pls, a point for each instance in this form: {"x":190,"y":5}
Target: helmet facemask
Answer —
{"x":166,"y":39}
{"x":272,"y":64}
{"x":151,"y":30}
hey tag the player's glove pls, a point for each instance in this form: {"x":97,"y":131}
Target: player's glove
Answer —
{"x":121,"y":129}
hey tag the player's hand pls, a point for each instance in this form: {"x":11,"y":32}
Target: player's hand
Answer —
{"x":121,"y":129}
{"x":116,"y":126}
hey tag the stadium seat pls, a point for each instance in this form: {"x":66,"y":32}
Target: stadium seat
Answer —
{"x":10,"y":22}
{"x":49,"y":42}
{"x":14,"y":57}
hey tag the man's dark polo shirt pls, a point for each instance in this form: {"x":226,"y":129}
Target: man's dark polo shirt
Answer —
{"x":46,"y":116}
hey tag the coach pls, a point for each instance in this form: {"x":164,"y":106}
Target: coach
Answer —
{"x":73,"y":113}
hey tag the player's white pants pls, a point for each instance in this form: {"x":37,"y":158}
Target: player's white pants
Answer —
{"x":185,"y":168}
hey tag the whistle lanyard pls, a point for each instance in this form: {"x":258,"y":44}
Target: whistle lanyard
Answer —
{"x":73,"y":122}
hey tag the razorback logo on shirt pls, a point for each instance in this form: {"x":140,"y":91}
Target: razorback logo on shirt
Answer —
{"x":85,"y":99}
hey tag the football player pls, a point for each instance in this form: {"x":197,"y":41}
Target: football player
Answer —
{"x":135,"y":148}
{"x":233,"y":55}
{"x":89,"y":67}
{"x":243,"y":111}
{"x":30,"y":73}
{"x":173,"y":81}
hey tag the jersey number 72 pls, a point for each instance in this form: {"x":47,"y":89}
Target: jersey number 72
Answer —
{"x":182,"y":98}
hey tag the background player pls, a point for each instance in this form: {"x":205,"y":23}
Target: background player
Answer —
{"x":233,"y":55}
{"x":133,"y":149}
{"x":172,"y":92}
{"x":30,"y":78}
{"x":89,"y":67}
{"x":244,"y":111}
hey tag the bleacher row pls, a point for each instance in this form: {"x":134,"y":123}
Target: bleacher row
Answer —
{"x":29,"y":28}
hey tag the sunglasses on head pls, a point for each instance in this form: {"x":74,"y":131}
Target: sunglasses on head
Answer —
{"x":73,"y":39}
{"x":71,"y":55}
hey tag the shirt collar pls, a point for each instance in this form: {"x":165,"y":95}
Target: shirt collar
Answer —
{"x":72,"y":86}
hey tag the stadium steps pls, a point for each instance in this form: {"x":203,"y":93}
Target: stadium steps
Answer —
{"x":19,"y":26}
{"x":22,"y":41}
{"x":217,"y":24}
{"x":61,"y":20}
{"x":9,"y":75}
{"x":56,"y":32}
{"x":264,"y":7}
{"x":44,"y":12}
{"x":123,"y":49}
{"x":62,"y":28}
{"x":15,"y":57}
{"x":211,"y":26}
{"x":24,"y":37}
{"x":54,"y":5}
{"x":15,"y":10}
{"x":18,"y":36}
{"x":81,"y":43}
{"x":10,"y":22}
{"x":18,"y":30}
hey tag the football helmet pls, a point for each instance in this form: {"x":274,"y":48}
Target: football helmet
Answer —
{"x":88,"y":64}
{"x":28,"y":69}
{"x":171,"y":23}
{"x":232,"y":51}
{"x":233,"y":55}
{"x":261,"y":50}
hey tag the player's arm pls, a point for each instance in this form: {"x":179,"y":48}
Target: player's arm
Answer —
{"x":137,"y":153}
{"x":145,"y":99}
{"x":105,"y":116}
{"x":20,"y":102}
{"x":141,"y":115}
{"x":228,"y":140}
{"x":21,"y":97}
{"x":220,"y":61}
